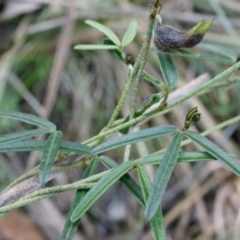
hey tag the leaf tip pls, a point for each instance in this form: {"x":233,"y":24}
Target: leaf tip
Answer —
{"x":73,"y":218}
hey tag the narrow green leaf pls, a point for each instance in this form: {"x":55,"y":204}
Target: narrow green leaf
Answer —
{"x":151,"y":80}
{"x":135,"y":137}
{"x":23,"y":146}
{"x":18,"y":136}
{"x":163,"y":175}
{"x":215,"y":151}
{"x":157,"y":222}
{"x":168,"y":69}
{"x":182,"y":157}
{"x":28,"y":118}
{"x":117,"y":53}
{"x":100,"y":187}
{"x":127,"y":180}
{"x":70,"y":228}
{"x":37,"y":145}
{"x":130,"y":34}
{"x":108,"y":32}
{"x":144,"y":181}
{"x":179,"y":52}
{"x":149,"y":101}
{"x":184,"y":53}
{"x":66,"y":146}
{"x":195,"y":157}
{"x":50,"y":150}
{"x":95,"y":47}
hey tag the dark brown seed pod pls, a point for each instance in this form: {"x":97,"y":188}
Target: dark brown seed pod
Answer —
{"x":167,"y":38}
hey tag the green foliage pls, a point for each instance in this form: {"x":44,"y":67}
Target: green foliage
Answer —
{"x":134,"y":137}
{"x":95,"y":47}
{"x":130,"y":33}
{"x":112,"y":42}
{"x":151,"y":80}
{"x":163,"y":175}
{"x":37,"y":145}
{"x":50,"y":150}
{"x":108,"y":32}
{"x":127,"y":180}
{"x":185,"y":53}
{"x":157,"y":222}
{"x":28,"y":118}
{"x":22,"y":146}
{"x":100,"y":187}
{"x":67,"y":146}
{"x":168,"y":69}
{"x":71,"y":227}
{"x":18,"y":136}
{"x":215,"y":151}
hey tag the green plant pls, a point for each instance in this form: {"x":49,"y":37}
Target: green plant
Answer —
{"x":94,"y":184}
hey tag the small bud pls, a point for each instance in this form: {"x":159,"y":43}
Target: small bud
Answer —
{"x":168,"y":38}
{"x":129,"y":59}
{"x":192,"y":117}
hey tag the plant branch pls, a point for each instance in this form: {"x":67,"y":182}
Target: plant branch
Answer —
{"x":44,"y":193}
{"x":143,"y":58}
{"x":32,"y":184}
{"x":54,"y":169}
{"x":26,"y":186}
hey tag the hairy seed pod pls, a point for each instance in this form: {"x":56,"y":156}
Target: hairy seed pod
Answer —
{"x":167,"y":37}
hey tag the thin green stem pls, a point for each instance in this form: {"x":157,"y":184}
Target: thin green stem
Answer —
{"x":58,"y":189}
{"x":143,"y":59}
{"x":27,"y":175}
{"x":123,"y":97}
{"x":170,"y":106}
{"x":82,"y":184}
{"x":140,"y":61}
{"x":208,"y":84}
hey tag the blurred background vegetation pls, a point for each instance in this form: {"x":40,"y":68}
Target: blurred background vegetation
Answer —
{"x":40,"y":73}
